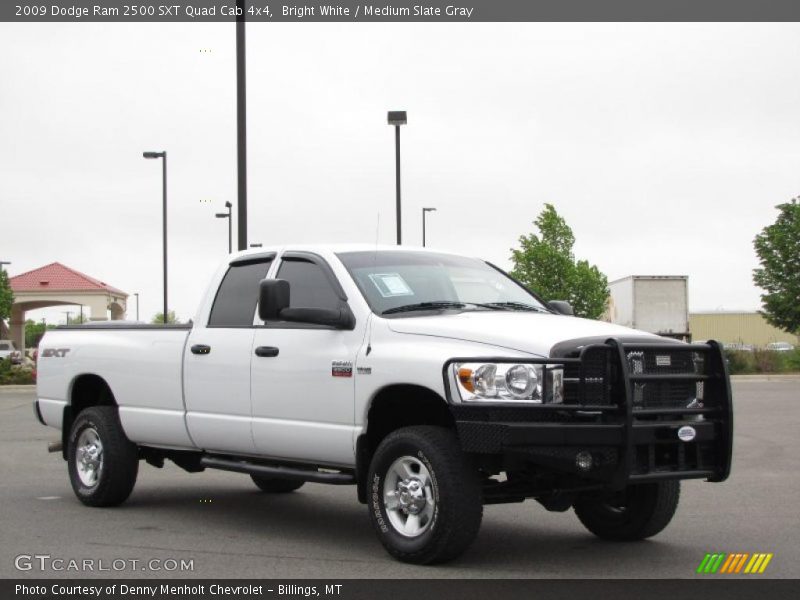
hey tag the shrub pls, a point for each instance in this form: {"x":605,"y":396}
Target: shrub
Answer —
{"x":740,"y":361}
{"x":15,"y":375}
{"x":767,"y":361}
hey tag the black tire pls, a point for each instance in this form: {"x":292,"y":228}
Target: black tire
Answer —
{"x":637,"y":512}
{"x":451,"y":522}
{"x":120,"y":458}
{"x":276,"y":485}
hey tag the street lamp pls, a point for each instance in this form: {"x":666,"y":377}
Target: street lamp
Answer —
{"x":137,"y":305}
{"x":424,"y":212}
{"x":3,"y":262}
{"x":227,"y":215}
{"x":163,"y":155}
{"x":397,"y":118}
{"x":68,"y":313}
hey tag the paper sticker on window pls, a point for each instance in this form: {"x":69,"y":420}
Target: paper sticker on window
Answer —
{"x":390,"y":284}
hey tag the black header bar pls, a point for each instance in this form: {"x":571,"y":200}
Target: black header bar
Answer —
{"x":346,"y":11}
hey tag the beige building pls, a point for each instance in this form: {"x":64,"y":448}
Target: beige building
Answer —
{"x":58,"y":285}
{"x":737,"y":328}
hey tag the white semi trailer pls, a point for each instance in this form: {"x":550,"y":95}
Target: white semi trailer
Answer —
{"x":654,"y":303}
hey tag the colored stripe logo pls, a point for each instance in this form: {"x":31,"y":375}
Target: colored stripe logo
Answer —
{"x":734,"y":563}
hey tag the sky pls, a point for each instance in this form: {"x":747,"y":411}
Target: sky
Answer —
{"x":665,"y":146}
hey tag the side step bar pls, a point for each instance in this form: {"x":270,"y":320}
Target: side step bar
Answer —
{"x":243,"y":466}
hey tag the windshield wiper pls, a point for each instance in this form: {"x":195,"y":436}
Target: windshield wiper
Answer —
{"x":515,"y":306}
{"x":439,"y":304}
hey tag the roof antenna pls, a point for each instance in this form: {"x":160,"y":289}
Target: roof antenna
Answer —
{"x":374,"y":261}
{"x":377,"y":234}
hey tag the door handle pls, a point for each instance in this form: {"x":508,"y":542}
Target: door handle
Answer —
{"x":200,"y":349}
{"x":267,"y":351}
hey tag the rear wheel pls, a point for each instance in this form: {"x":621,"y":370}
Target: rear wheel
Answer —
{"x":102,"y":462}
{"x":637,"y":512}
{"x":424,"y":498}
{"x":276,"y":485}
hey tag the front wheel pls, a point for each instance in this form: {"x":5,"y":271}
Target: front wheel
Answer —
{"x":637,"y":512}
{"x":102,"y":461}
{"x":424,"y":498}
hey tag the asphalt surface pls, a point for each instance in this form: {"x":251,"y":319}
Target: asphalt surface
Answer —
{"x":229,"y":529}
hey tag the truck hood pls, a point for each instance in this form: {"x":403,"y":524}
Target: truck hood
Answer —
{"x":529,"y":332}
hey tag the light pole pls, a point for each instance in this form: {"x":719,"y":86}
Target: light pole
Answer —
{"x":3,"y":262}
{"x":227,"y":215}
{"x":163,"y":155}
{"x":68,"y":313}
{"x":397,"y":118}
{"x":425,"y":211}
{"x":137,"y":305}
{"x":241,"y":126}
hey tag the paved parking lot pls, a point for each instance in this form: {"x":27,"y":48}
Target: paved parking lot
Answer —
{"x":228,"y":529}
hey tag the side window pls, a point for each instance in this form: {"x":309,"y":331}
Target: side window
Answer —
{"x":309,"y":286}
{"x":235,"y":304}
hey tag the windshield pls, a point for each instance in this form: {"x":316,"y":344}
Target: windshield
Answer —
{"x":400,"y":282}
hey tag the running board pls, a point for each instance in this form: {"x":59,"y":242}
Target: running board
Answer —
{"x":242,"y":466}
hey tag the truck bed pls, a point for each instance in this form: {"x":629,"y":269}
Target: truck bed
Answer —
{"x":150,"y":396}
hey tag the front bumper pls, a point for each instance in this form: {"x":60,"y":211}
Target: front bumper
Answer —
{"x":629,"y":440}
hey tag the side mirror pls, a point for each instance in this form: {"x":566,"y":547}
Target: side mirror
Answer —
{"x":273,"y":297}
{"x":561,"y":307}
{"x":273,"y":305}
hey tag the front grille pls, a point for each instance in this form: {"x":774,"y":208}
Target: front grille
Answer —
{"x":670,"y":393}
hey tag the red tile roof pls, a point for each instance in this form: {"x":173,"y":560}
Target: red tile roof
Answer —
{"x":56,"y":276}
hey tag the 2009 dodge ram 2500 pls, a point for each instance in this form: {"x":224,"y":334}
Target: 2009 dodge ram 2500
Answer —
{"x":433,"y":382}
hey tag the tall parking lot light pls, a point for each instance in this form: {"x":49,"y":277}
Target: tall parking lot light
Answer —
{"x":227,"y":215}
{"x":163,"y":155}
{"x":425,"y":211}
{"x":397,"y":118}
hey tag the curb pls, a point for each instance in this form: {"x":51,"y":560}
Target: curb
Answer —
{"x":17,"y":388}
{"x":767,"y":377}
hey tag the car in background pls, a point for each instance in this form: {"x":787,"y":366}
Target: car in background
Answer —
{"x":740,"y":347}
{"x":780,"y":347}
{"x":9,"y":350}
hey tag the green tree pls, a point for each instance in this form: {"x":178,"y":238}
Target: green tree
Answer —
{"x":171,"y":318}
{"x":778,"y":250}
{"x":34,"y":330}
{"x":6,"y":296}
{"x":546,"y":264}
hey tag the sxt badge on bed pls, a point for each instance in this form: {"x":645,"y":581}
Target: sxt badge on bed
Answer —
{"x":54,"y":352}
{"x":342,"y":368}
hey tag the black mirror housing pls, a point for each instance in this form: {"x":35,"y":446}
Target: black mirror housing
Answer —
{"x":273,"y":305}
{"x":562,"y":307}
{"x":273,"y":297}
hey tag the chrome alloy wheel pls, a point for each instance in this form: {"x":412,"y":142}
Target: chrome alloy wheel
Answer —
{"x":408,"y":496}
{"x":89,"y":457}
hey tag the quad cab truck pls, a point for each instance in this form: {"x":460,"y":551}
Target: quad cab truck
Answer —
{"x":433,"y":383}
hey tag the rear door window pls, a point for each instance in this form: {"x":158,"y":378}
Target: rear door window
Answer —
{"x":237,"y":297}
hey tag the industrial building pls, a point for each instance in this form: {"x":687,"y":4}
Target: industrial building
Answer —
{"x":730,"y":327}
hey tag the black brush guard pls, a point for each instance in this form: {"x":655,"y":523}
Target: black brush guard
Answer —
{"x":625,"y":402}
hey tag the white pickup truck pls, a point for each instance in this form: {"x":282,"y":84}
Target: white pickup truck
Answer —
{"x":432,"y":382}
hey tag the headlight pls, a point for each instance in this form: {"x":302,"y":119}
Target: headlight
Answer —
{"x":509,"y":382}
